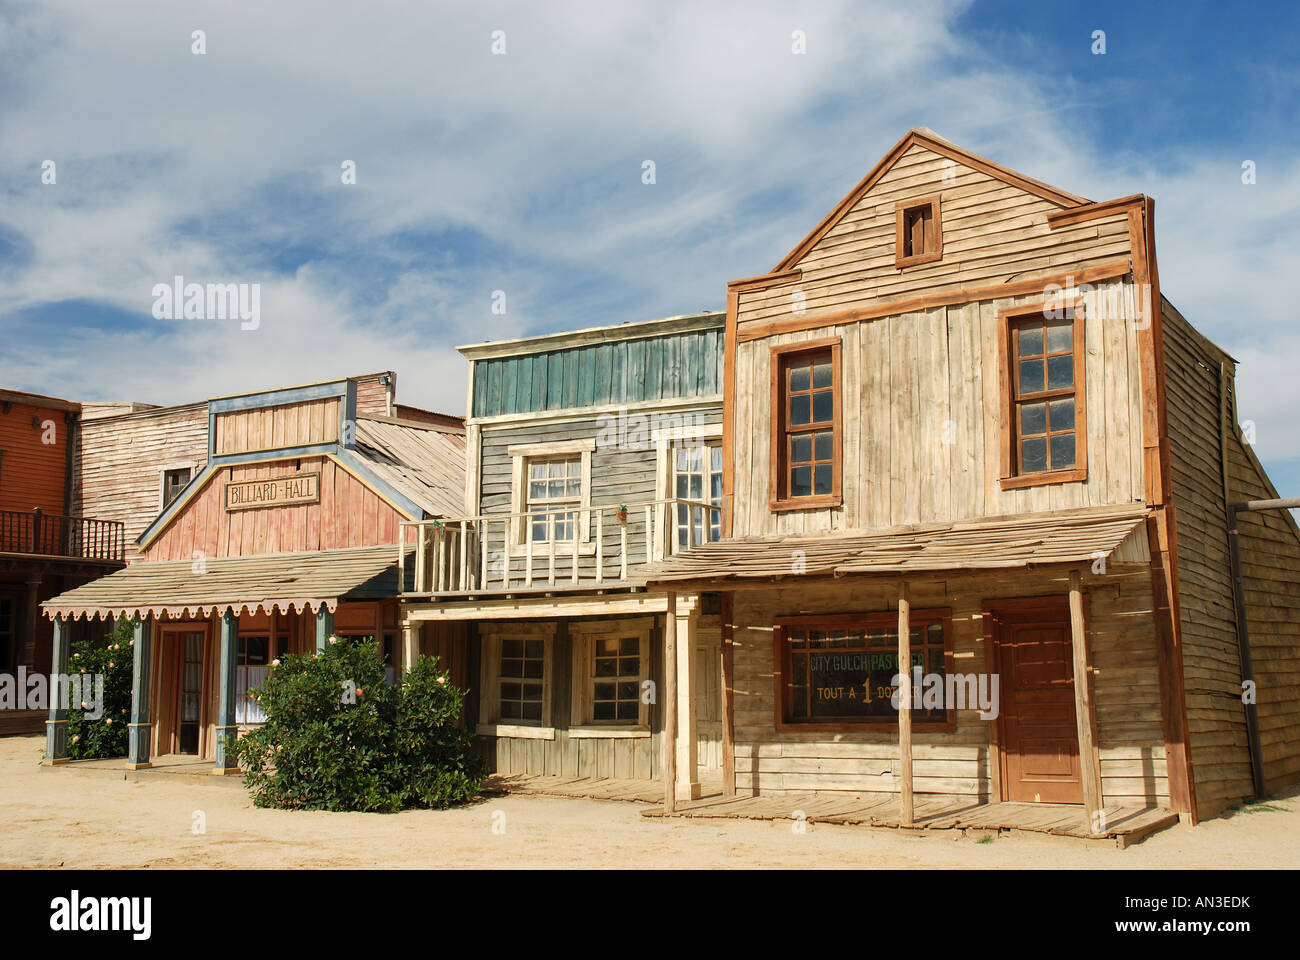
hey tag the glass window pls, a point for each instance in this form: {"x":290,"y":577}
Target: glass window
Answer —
{"x":697,"y":475}
{"x":521,"y":679}
{"x":616,"y":679}
{"x":553,"y":483}
{"x":807,"y":416}
{"x":174,"y":482}
{"x":1044,"y":393}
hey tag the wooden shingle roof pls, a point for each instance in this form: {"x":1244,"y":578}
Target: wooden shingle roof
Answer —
{"x":281,"y":582}
{"x":426,"y":464}
{"x":1018,"y":541}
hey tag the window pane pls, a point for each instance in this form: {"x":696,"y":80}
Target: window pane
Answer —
{"x":824,"y":445}
{"x":801,"y":481}
{"x":716,"y":457}
{"x":537,"y":471}
{"x":532,"y":710}
{"x":575,"y":468}
{"x":555,"y":489}
{"x":1062,"y":451}
{"x":1031,"y":341}
{"x":801,"y":448}
{"x":627,"y":690}
{"x":1060,"y":372}
{"x":799,"y":377}
{"x":823,"y":406}
{"x":1060,"y":336}
{"x":822,"y":373}
{"x":606,"y":667}
{"x":1033,"y":418}
{"x":627,"y":710}
{"x":535,"y":649}
{"x":603,"y":711}
{"x":629,"y":646}
{"x":800,"y":410}
{"x":537,"y":489}
{"x":823,"y":479}
{"x":1031,"y":376}
{"x":1062,"y":414}
{"x":512,"y":648}
{"x":605,"y":691}
{"x":533,"y":669}
{"x":1033,"y":455}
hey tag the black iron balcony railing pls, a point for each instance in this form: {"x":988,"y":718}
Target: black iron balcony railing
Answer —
{"x":52,"y":535}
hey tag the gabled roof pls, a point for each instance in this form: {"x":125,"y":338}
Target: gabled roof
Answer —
{"x":931,"y":141}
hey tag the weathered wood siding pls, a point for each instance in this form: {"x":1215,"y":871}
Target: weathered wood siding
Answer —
{"x":1130,"y":736}
{"x":288,"y":425}
{"x":992,"y":232}
{"x":618,"y":372}
{"x":618,"y":476}
{"x":348,"y":514}
{"x":1216,"y":718}
{"x":120,"y":462}
{"x":922,"y":415}
{"x":34,"y":473}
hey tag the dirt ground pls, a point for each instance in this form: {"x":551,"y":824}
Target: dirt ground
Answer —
{"x":69,"y":818}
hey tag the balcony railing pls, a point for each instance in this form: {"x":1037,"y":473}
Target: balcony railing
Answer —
{"x":565,"y":546}
{"x":52,"y":535}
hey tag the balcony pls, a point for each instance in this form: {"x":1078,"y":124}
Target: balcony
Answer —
{"x":507,"y":553}
{"x":33,"y":533}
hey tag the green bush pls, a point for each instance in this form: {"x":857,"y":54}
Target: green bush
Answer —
{"x":338,"y":737}
{"x":111,"y":658}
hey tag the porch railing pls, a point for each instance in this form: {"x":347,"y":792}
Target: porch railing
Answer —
{"x":51,"y":534}
{"x":578,"y":545}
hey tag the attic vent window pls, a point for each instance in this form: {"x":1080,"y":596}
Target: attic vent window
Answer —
{"x":919,"y":232}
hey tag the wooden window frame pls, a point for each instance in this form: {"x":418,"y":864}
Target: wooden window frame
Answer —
{"x":783,"y":672}
{"x":666,"y":446}
{"x":779,"y":499}
{"x":190,"y":465}
{"x":583,"y":639}
{"x":1011,"y":478}
{"x":933,"y":238}
{"x":520,"y":455}
{"x":490,"y":722}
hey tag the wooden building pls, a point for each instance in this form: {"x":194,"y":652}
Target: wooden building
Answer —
{"x":47,"y":545}
{"x":963,"y":429}
{"x":285,"y":533}
{"x":590,"y":454}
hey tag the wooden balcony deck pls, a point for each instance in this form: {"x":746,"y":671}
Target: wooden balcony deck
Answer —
{"x":1125,"y":825}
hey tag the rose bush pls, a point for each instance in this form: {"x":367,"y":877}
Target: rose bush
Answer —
{"x":92,"y":737}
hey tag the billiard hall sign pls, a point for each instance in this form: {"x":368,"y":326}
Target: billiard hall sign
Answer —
{"x":273,"y":492}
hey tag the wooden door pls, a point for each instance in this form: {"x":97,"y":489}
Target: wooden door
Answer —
{"x":189,"y":691}
{"x":1039,"y":742}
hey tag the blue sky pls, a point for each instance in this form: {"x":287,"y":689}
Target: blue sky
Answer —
{"x":522,"y":172}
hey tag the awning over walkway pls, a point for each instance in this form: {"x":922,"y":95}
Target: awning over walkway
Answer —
{"x":1018,"y":541}
{"x":281,"y":582}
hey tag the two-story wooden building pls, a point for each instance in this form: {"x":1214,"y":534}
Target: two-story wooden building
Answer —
{"x":47,"y":545}
{"x":590,"y":454}
{"x":964,"y":430}
{"x":283,"y":532}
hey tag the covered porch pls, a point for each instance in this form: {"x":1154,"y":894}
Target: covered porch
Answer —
{"x":205,"y":632}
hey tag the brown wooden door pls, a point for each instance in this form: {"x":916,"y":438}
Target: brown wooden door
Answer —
{"x":189,"y":692}
{"x":1039,"y":740}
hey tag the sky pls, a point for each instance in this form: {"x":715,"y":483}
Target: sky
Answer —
{"x":521,"y":171}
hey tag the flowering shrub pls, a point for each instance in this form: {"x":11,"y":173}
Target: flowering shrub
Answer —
{"x":338,"y":737}
{"x":92,"y":737}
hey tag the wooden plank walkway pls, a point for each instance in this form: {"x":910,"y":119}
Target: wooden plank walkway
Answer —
{"x":1124,"y":826}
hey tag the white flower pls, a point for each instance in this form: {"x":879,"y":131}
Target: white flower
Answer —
{"x":334,"y":639}
{"x":275,"y":663}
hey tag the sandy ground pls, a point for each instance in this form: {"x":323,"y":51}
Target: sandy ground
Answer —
{"x":69,"y":818}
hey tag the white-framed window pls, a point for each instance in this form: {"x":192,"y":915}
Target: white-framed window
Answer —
{"x":515,"y":695}
{"x":611,"y":665}
{"x":549,"y":477}
{"x":554,"y":483}
{"x":697,"y":476}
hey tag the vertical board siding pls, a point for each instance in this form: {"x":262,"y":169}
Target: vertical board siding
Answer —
{"x":33,"y":473}
{"x":642,"y":370}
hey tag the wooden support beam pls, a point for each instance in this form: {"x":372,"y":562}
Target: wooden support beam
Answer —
{"x":324,"y":626}
{"x":728,"y":697}
{"x":905,"y":704}
{"x":669,"y":702}
{"x":56,"y":727}
{"x":410,"y":645}
{"x":140,"y":734}
{"x":1084,"y":718}
{"x":688,"y":776}
{"x":226,"y":729}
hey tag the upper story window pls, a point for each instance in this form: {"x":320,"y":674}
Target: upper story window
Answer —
{"x":174,"y":482}
{"x":553,"y":484}
{"x":806,"y":425}
{"x":697,"y":475}
{"x":918,"y":233}
{"x":1044,"y":435}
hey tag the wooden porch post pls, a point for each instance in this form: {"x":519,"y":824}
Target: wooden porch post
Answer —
{"x":688,"y":776}
{"x":225,"y":728}
{"x":56,"y":727}
{"x":324,"y":626}
{"x":141,"y":730}
{"x":669,"y":701}
{"x":728,"y":698}
{"x":410,"y":644}
{"x":905,"y":704}
{"x":1083,"y":706}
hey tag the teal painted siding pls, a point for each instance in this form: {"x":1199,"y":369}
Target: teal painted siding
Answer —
{"x":626,"y":371}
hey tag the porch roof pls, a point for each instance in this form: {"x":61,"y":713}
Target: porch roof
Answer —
{"x":280,"y":582}
{"x":1015,"y":541}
